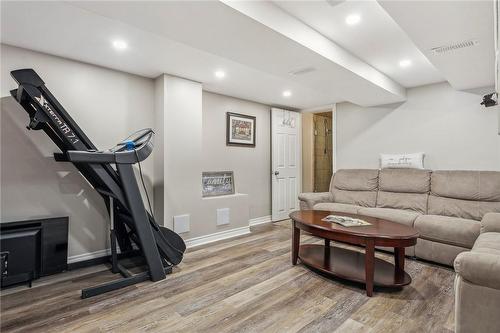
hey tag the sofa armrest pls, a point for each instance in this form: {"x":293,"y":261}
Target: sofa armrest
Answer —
{"x":480,"y":268}
{"x":490,"y":222}
{"x":310,"y":199}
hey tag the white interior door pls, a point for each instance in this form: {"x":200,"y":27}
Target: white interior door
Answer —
{"x":286,"y":162}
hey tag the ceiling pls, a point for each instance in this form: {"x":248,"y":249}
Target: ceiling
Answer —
{"x":261,"y":44}
{"x":440,"y":23}
{"x":378,"y":41}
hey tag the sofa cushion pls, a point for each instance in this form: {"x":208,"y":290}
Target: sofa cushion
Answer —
{"x":437,"y":252}
{"x":355,"y":187}
{"x":466,"y":185}
{"x":479,"y":268}
{"x":490,"y":222}
{"x":465,"y":194}
{"x":360,"y":198}
{"x":466,"y":209}
{"x":310,"y":199}
{"x":411,"y":201}
{"x":488,"y":242}
{"x":355,"y":180}
{"x":337,"y":207}
{"x":448,"y":230}
{"x":395,"y":215}
{"x":405,"y":180}
{"x":404,"y":189}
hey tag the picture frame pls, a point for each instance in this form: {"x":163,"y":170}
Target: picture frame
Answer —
{"x":240,"y":130}
{"x":217,"y":183}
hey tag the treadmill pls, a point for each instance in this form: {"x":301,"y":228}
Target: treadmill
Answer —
{"x":110,"y":172}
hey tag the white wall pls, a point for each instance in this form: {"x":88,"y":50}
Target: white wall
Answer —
{"x":453,"y":130}
{"x":108,"y":105}
{"x":251,"y":166}
{"x":182,"y":147}
{"x":190,"y":142}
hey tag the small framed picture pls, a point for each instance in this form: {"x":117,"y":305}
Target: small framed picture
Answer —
{"x":240,"y":130}
{"x":217,"y":183}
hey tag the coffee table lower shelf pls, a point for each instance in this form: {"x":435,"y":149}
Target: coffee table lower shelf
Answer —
{"x":350,"y":265}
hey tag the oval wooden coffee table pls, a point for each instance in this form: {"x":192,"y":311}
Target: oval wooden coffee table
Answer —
{"x":349,"y":264}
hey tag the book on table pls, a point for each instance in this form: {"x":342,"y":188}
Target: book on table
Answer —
{"x":345,"y":221}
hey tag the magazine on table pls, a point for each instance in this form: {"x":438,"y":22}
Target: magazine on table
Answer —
{"x":345,"y":221}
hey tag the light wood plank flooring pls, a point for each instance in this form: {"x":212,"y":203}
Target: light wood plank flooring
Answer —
{"x":245,"y":284}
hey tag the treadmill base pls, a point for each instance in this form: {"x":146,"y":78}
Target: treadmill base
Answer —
{"x":127,"y":280}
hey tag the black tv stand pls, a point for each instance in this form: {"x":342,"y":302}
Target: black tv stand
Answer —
{"x":32,"y":248}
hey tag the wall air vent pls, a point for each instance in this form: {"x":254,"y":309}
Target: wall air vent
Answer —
{"x":302,"y":71}
{"x":453,"y":47}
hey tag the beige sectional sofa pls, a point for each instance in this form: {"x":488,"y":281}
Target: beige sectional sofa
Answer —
{"x":477,"y":283}
{"x":446,"y":207}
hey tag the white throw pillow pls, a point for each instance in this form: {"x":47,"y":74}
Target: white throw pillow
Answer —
{"x":402,"y":161}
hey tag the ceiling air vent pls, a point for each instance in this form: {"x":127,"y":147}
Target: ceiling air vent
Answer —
{"x":334,"y":3}
{"x":453,"y":47}
{"x":302,"y":71}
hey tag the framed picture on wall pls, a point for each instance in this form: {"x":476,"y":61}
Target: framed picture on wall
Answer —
{"x":217,"y":183}
{"x":240,"y":130}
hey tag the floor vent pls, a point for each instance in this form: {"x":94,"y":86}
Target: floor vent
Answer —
{"x":453,"y":47}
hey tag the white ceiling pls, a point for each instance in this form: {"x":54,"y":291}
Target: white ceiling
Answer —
{"x":192,"y":40}
{"x":437,"y":23}
{"x":377,"y":39}
{"x":258,"y":44}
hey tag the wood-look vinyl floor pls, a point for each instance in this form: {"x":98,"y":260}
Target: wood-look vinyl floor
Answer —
{"x":245,"y":284}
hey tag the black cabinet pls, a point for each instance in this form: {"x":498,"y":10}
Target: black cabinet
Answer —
{"x":34,"y":248}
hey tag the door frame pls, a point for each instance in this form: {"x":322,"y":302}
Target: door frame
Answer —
{"x":334,"y":137}
{"x":328,"y":108}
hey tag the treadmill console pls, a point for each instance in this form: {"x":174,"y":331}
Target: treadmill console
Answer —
{"x":135,"y":148}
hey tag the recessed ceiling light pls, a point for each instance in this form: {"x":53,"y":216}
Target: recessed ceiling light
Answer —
{"x":220,"y":74}
{"x":287,"y":93}
{"x":353,"y":19}
{"x":405,"y":63}
{"x":120,"y":44}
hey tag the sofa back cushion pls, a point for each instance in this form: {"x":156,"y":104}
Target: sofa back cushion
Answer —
{"x":465,"y":194}
{"x":355,"y":187}
{"x":404,"y":189}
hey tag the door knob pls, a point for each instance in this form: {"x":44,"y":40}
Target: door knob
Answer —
{"x":276,"y":173}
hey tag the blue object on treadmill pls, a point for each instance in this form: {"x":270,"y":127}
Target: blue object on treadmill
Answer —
{"x":130,"y":145}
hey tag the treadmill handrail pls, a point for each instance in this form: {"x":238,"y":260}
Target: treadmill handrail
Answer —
{"x":131,"y":156}
{"x":78,"y":156}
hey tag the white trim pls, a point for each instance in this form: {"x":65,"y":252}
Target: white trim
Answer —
{"x":192,"y":242}
{"x":260,"y":220}
{"x":323,"y":108}
{"x":334,"y":137}
{"x":94,"y":255}
{"x":197,"y":241}
{"x":224,"y":196}
{"x":89,"y":255}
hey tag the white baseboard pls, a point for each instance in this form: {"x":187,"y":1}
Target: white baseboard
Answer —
{"x":89,"y":255}
{"x":260,"y":220}
{"x":192,"y":242}
{"x":197,"y":241}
